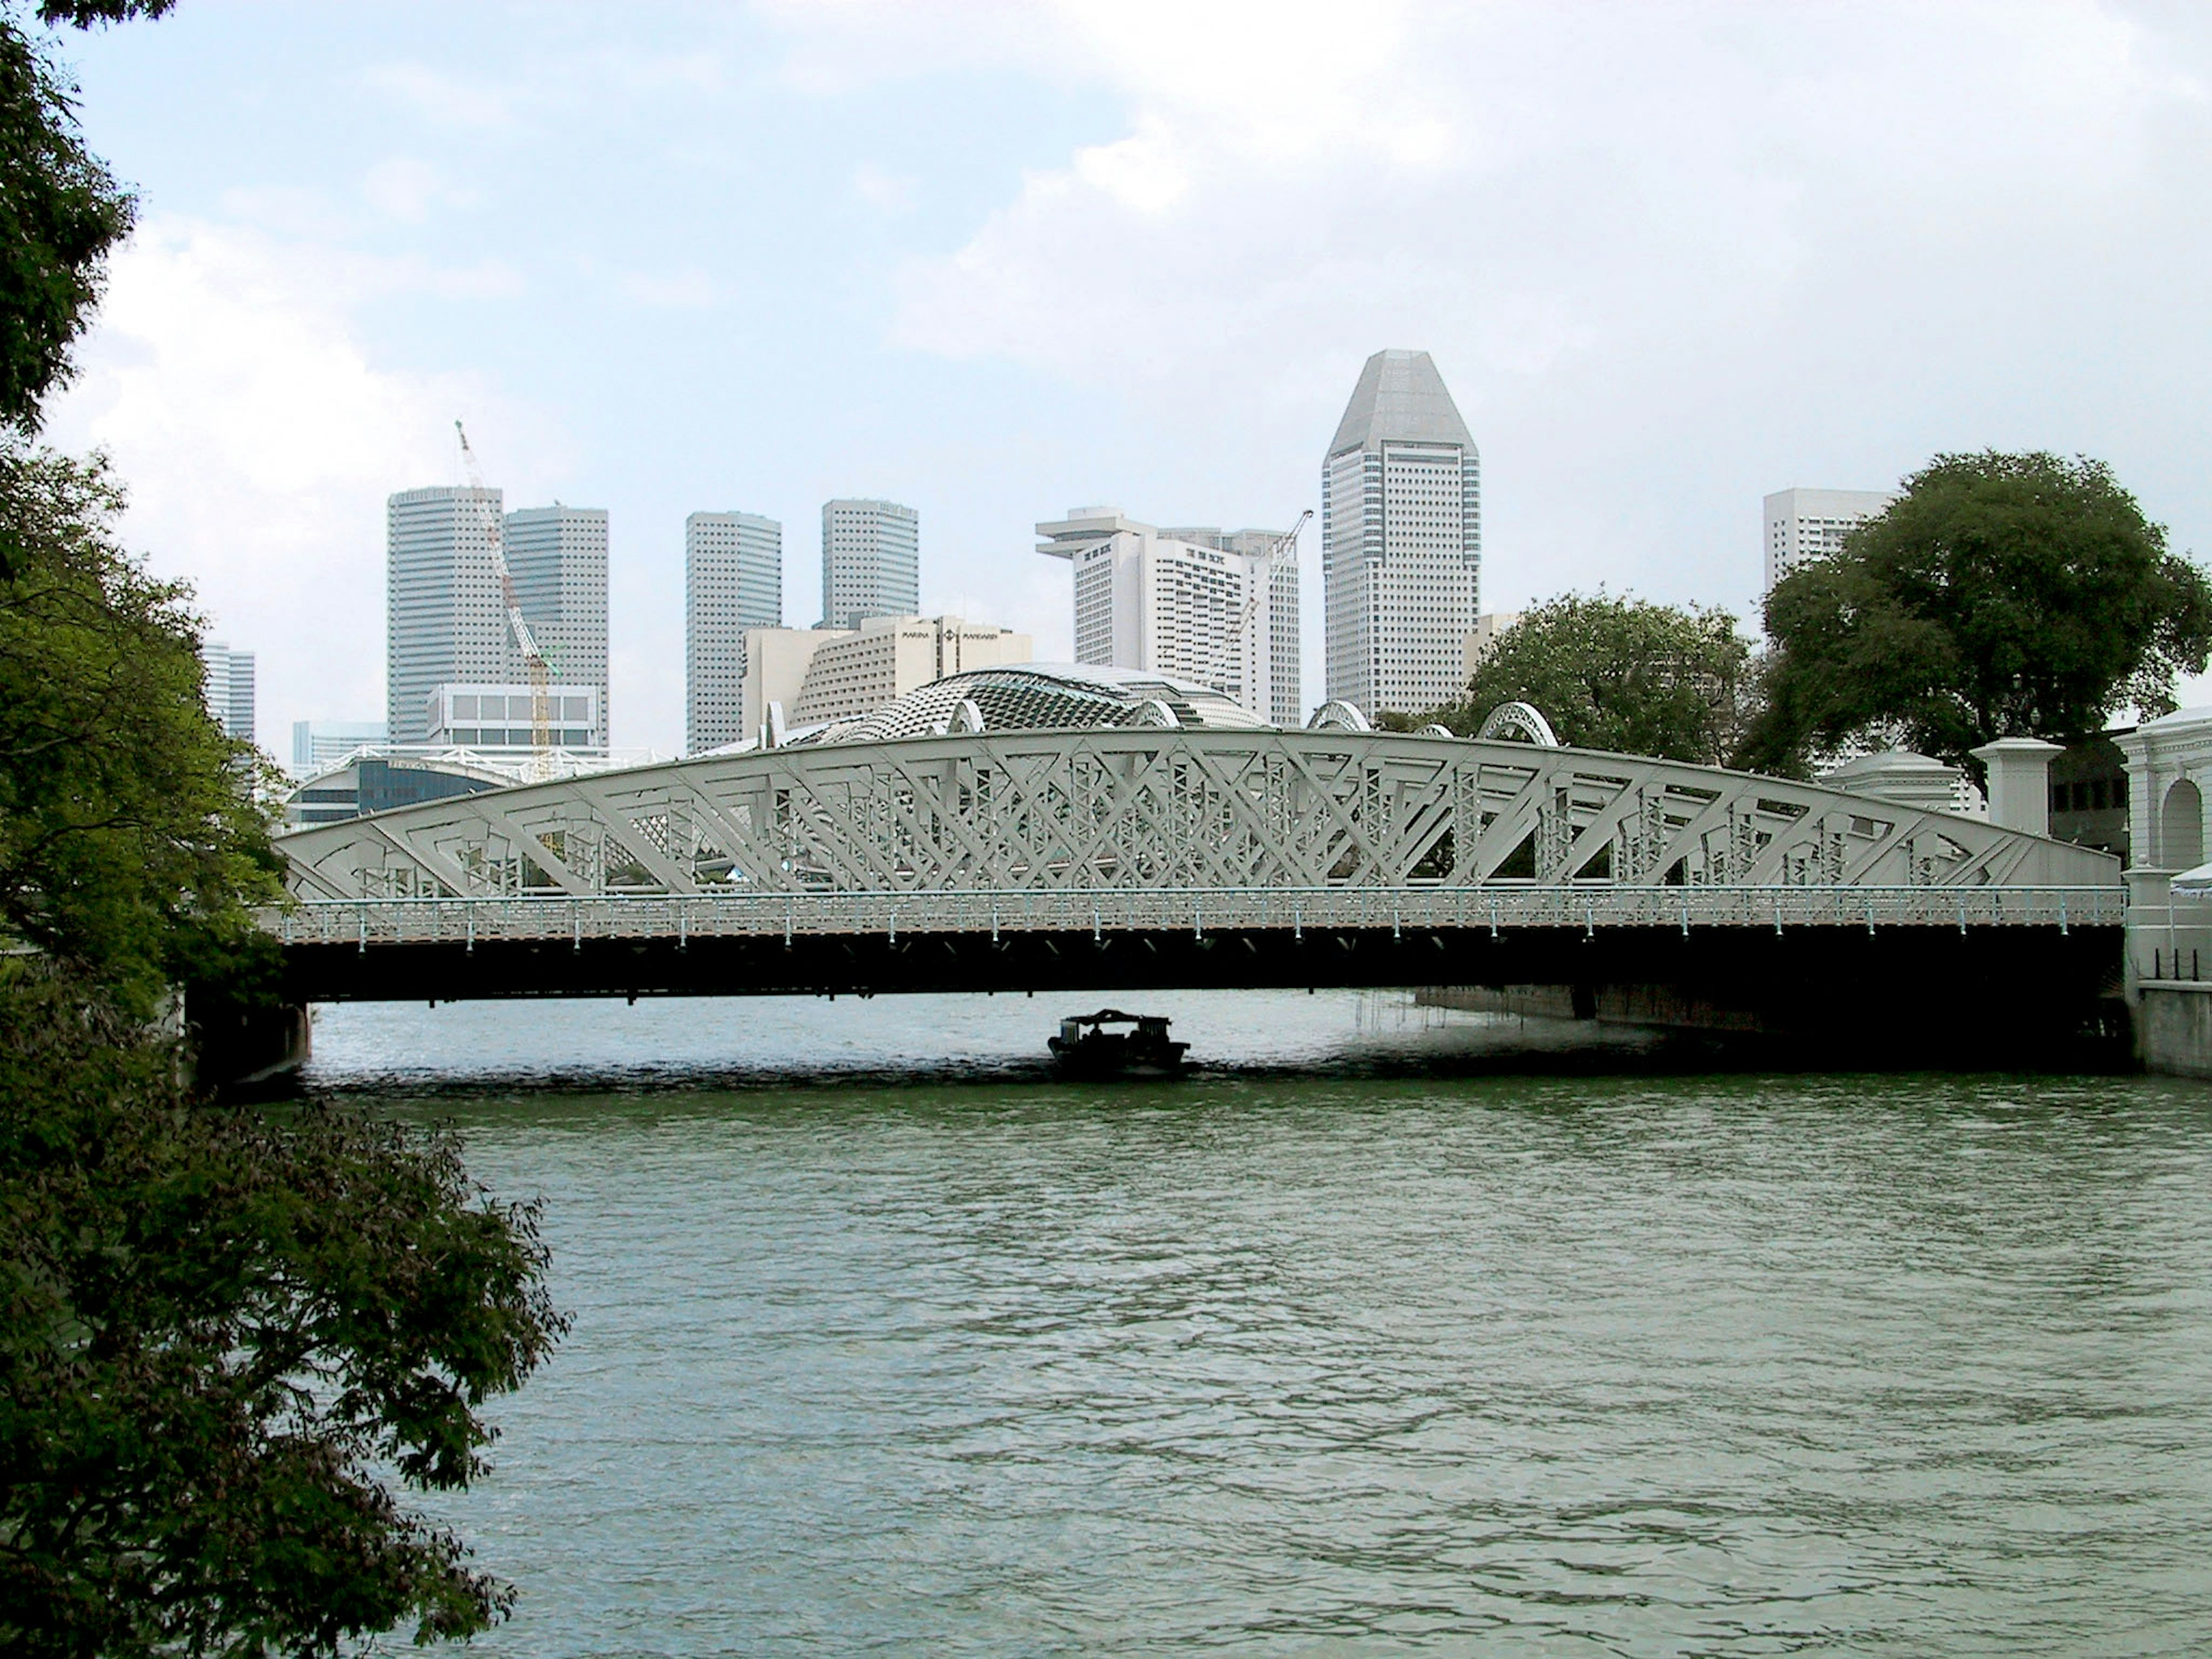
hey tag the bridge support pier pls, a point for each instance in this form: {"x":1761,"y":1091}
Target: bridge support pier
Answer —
{"x":236,"y":1049}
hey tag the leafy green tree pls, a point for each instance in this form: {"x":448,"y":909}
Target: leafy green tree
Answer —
{"x":2000,"y":596}
{"x":1619,"y":674}
{"x":227,"y":1333}
{"x":129,"y":851}
{"x":214,"y":1323}
{"x":60,"y":209}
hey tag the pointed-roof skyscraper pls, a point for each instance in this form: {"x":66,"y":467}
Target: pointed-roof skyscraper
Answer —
{"x":1401,"y":540}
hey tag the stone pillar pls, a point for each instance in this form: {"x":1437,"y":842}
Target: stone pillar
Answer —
{"x":2020,"y":782}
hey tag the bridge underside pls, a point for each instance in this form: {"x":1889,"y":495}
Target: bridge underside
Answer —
{"x":1993,"y":995}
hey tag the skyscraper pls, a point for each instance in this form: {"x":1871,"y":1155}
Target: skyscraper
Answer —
{"x":1805,"y":524}
{"x":445,"y":619}
{"x":558,"y":557}
{"x":229,"y":688}
{"x":871,"y":561}
{"x":1401,"y":540}
{"x":732,"y":582}
{"x":1194,"y":603}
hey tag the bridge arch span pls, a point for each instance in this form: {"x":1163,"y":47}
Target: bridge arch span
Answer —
{"x":1126,"y":808}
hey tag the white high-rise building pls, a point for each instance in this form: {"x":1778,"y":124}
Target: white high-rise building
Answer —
{"x":229,"y":688}
{"x":1219,"y":609}
{"x":1805,"y":524}
{"x":446,"y":617}
{"x":557,"y":556}
{"x":1401,"y":540}
{"x":871,"y":561}
{"x":733,"y":582}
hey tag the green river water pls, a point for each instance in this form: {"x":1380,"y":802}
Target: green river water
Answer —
{"x":1359,"y":1343}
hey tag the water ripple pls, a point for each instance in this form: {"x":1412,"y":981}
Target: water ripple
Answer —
{"x":1622,"y":1366}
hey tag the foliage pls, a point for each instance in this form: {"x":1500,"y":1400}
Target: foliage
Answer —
{"x":223,"y":1329}
{"x":213,"y":1322}
{"x":61,"y":210}
{"x":1619,"y":674}
{"x":131,"y":849}
{"x":2000,"y":596}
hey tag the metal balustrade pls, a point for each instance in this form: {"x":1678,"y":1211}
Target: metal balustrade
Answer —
{"x":1290,"y":911}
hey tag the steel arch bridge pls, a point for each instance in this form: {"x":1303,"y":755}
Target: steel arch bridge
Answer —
{"x":1129,"y":810}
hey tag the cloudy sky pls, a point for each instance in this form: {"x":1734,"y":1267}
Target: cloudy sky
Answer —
{"x":996,"y":260}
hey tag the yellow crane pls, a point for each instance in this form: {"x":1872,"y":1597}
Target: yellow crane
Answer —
{"x":1263,"y":581}
{"x":533,"y":660}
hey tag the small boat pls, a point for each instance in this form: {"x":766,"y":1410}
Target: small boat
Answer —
{"x":1086,"y":1046}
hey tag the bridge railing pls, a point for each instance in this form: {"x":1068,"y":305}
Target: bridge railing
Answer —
{"x":1289,"y":911}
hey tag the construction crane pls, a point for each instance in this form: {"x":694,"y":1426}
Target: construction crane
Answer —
{"x":541,"y":704}
{"x":1263,"y":580}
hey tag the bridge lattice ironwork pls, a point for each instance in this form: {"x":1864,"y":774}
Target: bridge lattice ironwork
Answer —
{"x":978,"y":819}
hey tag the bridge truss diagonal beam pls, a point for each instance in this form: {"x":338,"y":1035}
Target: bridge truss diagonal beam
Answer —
{"x":1021,"y":813}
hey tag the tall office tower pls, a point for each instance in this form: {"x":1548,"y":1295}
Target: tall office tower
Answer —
{"x":871,"y":561}
{"x":445,"y":619}
{"x":1195,"y":604}
{"x":229,"y":688}
{"x":1401,"y":540}
{"x":1805,"y":524}
{"x":732,"y":582}
{"x":558,"y":557}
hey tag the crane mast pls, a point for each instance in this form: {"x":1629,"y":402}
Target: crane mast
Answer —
{"x":1263,"y":581}
{"x":533,"y":660}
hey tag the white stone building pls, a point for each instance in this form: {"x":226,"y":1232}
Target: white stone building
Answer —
{"x":1805,"y":524}
{"x":1220,"y":609}
{"x":820,"y":674}
{"x":2169,"y":782}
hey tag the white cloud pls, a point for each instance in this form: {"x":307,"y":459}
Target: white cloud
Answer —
{"x":259,"y":440}
{"x":407,"y":188}
{"x":1668,"y":257}
{"x":686,"y":288}
{"x":449,"y":101}
{"x":890,"y":193}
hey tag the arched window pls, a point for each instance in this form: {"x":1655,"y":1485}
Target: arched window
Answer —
{"x":2181,"y":828}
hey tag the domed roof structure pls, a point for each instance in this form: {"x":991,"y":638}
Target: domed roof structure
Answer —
{"x":1033,"y":696}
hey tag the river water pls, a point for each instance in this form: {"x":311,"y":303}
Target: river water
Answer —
{"x":887,"y":1342}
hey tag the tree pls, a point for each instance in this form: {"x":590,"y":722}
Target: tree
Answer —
{"x":129,"y":852}
{"x":227,"y":1332}
{"x":60,"y":209}
{"x":214,"y":1323}
{"x":2000,"y":596}
{"x":1619,"y":674}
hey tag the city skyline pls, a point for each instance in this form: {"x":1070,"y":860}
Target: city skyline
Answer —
{"x":419,"y":200}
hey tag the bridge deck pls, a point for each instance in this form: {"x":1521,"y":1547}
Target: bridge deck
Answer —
{"x":365,"y":922}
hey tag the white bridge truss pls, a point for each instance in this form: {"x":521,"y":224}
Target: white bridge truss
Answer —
{"x":993,"y":825}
